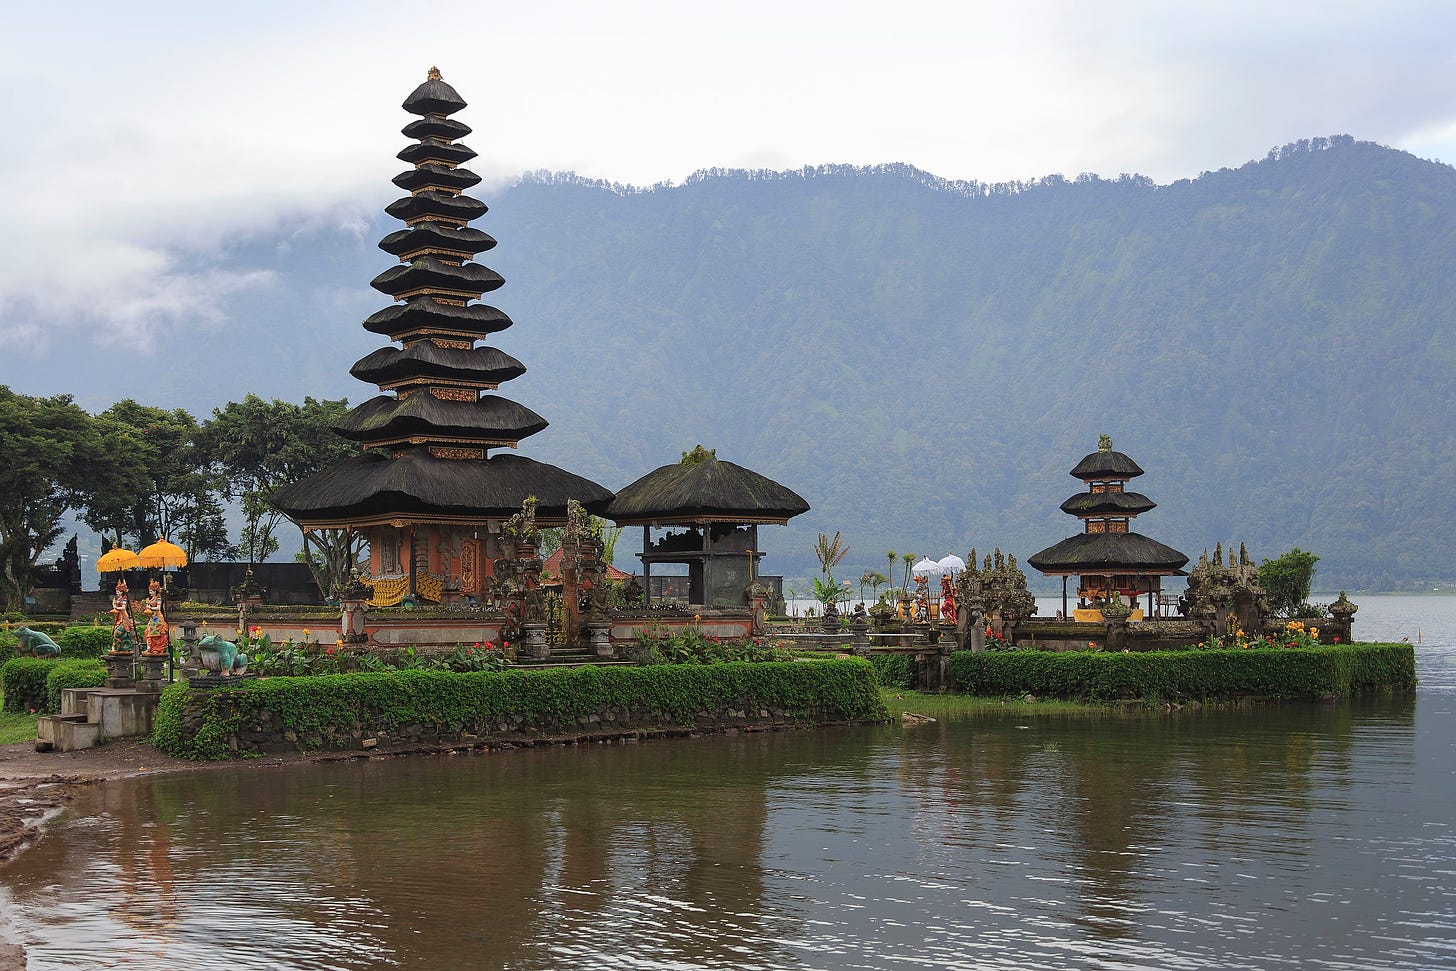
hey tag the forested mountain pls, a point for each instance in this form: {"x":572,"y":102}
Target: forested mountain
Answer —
{"x":924,"y":361}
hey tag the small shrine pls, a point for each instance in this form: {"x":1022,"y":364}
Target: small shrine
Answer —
{"x":1114,"y":565}
{"x":436,"y":478}
{"x":709,"y":511}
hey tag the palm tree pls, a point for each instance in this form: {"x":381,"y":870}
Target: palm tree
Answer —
{"x":908,"y":558}
{"x":892,"y":556}
{"x":873,"y":578}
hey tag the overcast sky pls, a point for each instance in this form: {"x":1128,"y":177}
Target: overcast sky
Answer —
{"x":140,"y":134}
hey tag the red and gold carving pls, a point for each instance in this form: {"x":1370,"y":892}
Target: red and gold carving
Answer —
{"x":457,"y":345}
{"x":445,"y":452}
{"x":469,"y":556}
{"x":1096,"y":526}
{"x":1117,"y":526}
{"x":1098,"y":489}
{"x":1114,"y":487}
{"x":454,"y":394}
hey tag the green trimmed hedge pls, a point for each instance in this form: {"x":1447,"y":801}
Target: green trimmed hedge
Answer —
{"x":1341,"y":670}
{"x":893,"y":670}
{"x":81,"y":640}
{"x":332,"y":711}
{"x":35,"y":683}
{"x":84,"y":642}
{"x":72,"y":673}
{"x":23,"y":681}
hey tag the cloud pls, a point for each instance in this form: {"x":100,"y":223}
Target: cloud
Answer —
{"x":171,"y":129}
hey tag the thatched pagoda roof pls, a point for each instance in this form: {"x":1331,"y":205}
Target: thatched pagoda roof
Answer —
{"x":433,"y":97}
{"x":1107,"y":553}
{"x":437,"y":204}
{"x":428,"y":271}
{"x":1108,"y":504}
{"x":707,"y":490}
{"x":464,"y":240}
{"x":416,"y":485}
{"x":431,"y":316}
{"x":435,"y":150}
{"x":426,"y":359}
{"x":488,"y":419}
{"x":1106,"y":464}
{"x":436,"y":177}
{"x":434,"y":126}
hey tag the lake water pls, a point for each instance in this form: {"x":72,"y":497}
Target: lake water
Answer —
{"x":1294,"y":836}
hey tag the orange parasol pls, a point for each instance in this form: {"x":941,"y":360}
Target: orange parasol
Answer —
{"x":117,"y":559}
{"x":162,"y":554}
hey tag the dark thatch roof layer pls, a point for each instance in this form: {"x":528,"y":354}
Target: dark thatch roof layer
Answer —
{"x":1108,"y":503}
{"x":1107,"y":552}
{"x":432,"y":202}
{"x":428,"y":271}
{"x":387,"y":417}
{"x":434,"y":150}
{"x":426,"y":359}
{"x":437,"y":176}
{"x":445,"y":319}
{"x":1106,"y":465}
{"x":434,"y":97}
{"x":373,"y":484}
{"x":455,"y":239}
{"x":447,"y":129}
{"x":711,"y":489}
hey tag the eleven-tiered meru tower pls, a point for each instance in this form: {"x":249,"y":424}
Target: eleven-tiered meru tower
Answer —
{"x":426,"y":486}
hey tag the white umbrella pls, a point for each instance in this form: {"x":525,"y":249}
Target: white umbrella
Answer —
{"x":925,"y":567}
{"x":952,"y":564}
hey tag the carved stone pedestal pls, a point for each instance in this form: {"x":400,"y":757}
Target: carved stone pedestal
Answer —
{"x":536,"y":646}
{"x":119,"y":670}
{"x":599,"y":636}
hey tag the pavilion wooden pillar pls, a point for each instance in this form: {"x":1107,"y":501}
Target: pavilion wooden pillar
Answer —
{"x":409,"y":537}
{"x":646,"y":566}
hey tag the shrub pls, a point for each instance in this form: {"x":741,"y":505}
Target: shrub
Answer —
{"x":23,"y":682}
{"x":1211,"y":674}
{"x":326,"y":711}
{"x":892,"y":670}
{"x":9,"y":643}
{"x":84,"y":642}
{"x":72,"y":673}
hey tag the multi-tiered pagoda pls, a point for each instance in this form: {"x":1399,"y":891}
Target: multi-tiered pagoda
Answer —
{"x":1110,"y":560}
{"x":427,"y":487}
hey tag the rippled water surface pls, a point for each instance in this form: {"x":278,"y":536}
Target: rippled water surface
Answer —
{"x":1295,"y":836}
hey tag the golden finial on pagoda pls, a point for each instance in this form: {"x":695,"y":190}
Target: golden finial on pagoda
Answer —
{"x":434,"y":74}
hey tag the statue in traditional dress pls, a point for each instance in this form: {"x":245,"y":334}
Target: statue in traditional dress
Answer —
{"x":947,"y":599}
{"x":123,"y":629}
{"x":156,"y":633}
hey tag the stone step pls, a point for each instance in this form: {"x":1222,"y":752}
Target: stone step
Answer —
{"x":73,"y":700}
{"x":66,"y":733}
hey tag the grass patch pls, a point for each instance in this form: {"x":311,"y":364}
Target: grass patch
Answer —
{"x":16,"y":727}
{"x":898,"y":702}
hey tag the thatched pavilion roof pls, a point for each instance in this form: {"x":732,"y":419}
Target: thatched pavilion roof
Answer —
{"x":1109,"y":553}
{"x":705,"y":490}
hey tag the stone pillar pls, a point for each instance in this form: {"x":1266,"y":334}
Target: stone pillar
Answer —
{"x":191,"y":660}
{"x":975,"y":626}
{"x":600,"y":638}
{"x":758,"y":595}
{"x":859,"y":625}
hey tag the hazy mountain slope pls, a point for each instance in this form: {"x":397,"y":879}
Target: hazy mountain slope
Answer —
{"x":924,"y":361}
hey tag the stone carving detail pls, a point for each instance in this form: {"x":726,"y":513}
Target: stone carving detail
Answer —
{"x":1225,"y":598}
{"x":995,"y":596}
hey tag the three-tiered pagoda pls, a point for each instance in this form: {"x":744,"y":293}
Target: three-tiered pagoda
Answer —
{"x":1110,"y":559}
{"x":427,"y":487}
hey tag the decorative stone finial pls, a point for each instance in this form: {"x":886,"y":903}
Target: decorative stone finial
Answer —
{"x":1104,"y":443}
{"x":434,"y":74}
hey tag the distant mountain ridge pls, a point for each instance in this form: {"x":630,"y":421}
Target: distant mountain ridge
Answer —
{"x":923,"y":360}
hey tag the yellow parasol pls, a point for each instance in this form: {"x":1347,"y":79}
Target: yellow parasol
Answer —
{"x":162,"y":554}
{"x":117,"y":559}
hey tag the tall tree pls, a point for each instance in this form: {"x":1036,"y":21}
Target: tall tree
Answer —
{"x":261,"y":446}
{"x":159,"y":475}
{"x":46,"y":451}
